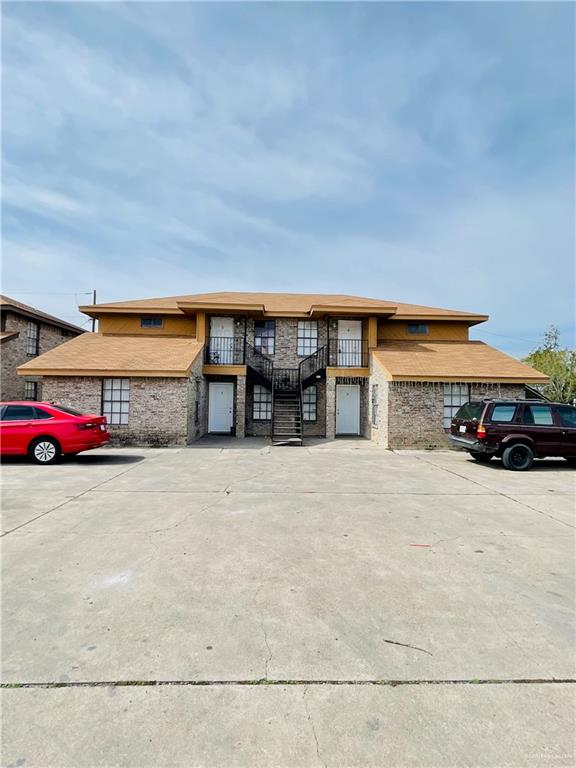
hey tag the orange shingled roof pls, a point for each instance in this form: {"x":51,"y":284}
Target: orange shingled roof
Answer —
{"x":281,"y":303}
{"x":452,"y":360}
{"x":93,"y":354}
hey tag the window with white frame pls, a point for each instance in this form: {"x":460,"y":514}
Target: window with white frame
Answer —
{"x":30,"y":390}
{"x":116,"y":400}
{"x":309,"y":403}
{"x":33,"y":338}
{"x":455,"y":395}
{"x":262,"y":408}
{"x":307,"y":337}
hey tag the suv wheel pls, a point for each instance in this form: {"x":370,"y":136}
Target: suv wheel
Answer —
{"x":518,"y":457}
{"x":45,"y":450}
{"x":483,"y":458}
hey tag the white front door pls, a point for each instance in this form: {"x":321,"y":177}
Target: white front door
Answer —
{"x":221,"y":341}
{"x":349,"y":343}
{"x":220,"y":406}
{"x":347,"y":409}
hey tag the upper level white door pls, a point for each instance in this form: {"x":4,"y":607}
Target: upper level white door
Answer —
{"x":221,"y":340}
{"x":349,"y":343}
{"x":220,"y":406}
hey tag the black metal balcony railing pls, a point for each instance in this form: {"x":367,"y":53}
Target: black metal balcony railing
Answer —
{"x":286,"y":379}
{"x":348,"y":353}
{"x":225,"y":350}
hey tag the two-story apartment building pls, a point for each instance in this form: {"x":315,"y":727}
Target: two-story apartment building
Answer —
{"x":25,"y":333}
{"x":288,"y":366}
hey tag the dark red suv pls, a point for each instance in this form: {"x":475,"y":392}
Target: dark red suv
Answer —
{"x":518,"y":431}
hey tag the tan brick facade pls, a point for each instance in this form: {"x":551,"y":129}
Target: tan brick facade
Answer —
{"x":158,"y":407}
{"x":13,"y":352}
{"x":415,"y":411}
{"x":174,"y":411}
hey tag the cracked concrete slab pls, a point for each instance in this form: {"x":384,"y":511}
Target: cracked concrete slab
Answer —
{"x":292,"y":727}
{"x":332,"y":562}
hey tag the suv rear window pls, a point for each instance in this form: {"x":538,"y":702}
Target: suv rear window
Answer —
{"x":504,"y":412}
{"x":470,"y":411}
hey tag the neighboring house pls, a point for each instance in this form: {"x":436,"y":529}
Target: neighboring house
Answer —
{"x":169,"y":370}
{"x":25,"y":333}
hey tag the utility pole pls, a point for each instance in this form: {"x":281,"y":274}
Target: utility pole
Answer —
{"x":93,"y":302}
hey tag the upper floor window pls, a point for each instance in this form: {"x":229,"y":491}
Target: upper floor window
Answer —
{"x":307,"y":337}
{"x":116,"y":400}
{"x":264,"y":333}
{"x":418,"y":329}
{"x":151,"y":322}
{"x":33,"y":338}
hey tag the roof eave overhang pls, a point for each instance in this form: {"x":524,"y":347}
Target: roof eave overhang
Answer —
{"x":137,"y":373}
{"x":479,"y":378}
{"x":96,"y":310}
{"x":470,"y":319}
{"x":331,"y":309}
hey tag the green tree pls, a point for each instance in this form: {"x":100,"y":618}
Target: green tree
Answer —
{"x":558,"y":363}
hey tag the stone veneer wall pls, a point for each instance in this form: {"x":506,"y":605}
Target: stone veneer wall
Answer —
{"x":158,"y":411}
{"x":197,"y":396}
{"x":379,"y":429}
{"x":14,"y":353}
{"x":415,"y":410}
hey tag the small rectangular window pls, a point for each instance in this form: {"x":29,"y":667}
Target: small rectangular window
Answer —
{"x":539,"y":415}
{"x":33,"y":339}
{"x":455,"y":395}
{"x":116,"y":400}
{"x":264,"y":333}
{"x":374,"y":405}
{"x":418,"y":329}
{"x":262,"y":408}
{"x":30,"y":390}
{"x":307,"y":337}
{"x":309,"y":403}
{"x":503,"y":413}
{"x":151,"y":322}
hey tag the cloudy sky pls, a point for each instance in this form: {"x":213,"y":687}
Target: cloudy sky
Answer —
{"x":412,"y":152}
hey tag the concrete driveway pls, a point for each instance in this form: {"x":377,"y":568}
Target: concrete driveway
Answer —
{"x":233,"y":604}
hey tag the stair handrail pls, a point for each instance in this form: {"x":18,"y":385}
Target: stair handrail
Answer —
{"x":264,"y":364}
{"x":314,"y":362}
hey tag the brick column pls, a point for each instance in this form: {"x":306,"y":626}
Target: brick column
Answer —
{"x":241,"y":406}
{"x":330,"y":407}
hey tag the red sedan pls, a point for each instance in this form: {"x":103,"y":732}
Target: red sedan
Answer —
{"x":45,"y":431}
